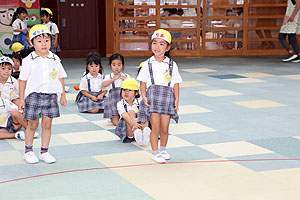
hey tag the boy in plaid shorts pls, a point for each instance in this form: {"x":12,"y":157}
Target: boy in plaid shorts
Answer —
{"x":41,"y":79}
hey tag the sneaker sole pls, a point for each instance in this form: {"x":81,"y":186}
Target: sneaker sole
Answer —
{"x":159,"y":162}
{"x":139,"y":139}
{"x":146,"y":139}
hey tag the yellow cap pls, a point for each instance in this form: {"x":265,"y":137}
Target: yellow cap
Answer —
{"x":16,"y":47}
{"x":130,"y":84}
{"x":162,"y":34}
{"x":38,"y":30}
{"x":48,"y":11}
{"x":141,"y":65}
{"x":5,"y":59}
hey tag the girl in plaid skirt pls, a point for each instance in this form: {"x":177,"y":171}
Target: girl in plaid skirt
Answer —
{"x":128,"y":128}
{"x":113,"y":82}
{"x":159,"y":84}
{"x":91,"y":96}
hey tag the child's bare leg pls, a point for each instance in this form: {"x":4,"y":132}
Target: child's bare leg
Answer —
{"x":155,"y":122}
{"x":4,"y":134}
{"x":18,"y":118}
{"x":46,"y":130}
{"x":115,"y":119}
{"x":164,"y":129}
{"x":93,"y":111}
{"x":29,"y":132}
{"x":129,"y":131}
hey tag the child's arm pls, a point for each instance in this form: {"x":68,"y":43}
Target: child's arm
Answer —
{"x":85,"y":93}
{"x":22,"y":86}
{"x":176,"y":94}
{"x":143,"y":92}
{"x":20,"y":30}
{"x":55,"y":40}
{"x":132,"y":122}
{"x":108,"y":82}
{"x":102,"y":94}
{"x":63,"y":100}
{"x":296,"y":9}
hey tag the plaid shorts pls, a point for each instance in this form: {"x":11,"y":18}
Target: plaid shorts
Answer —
{"x":85,"y":104}
{"x":41,"y":103}
{"x":10,"y":127}
{"x":121,"y":129}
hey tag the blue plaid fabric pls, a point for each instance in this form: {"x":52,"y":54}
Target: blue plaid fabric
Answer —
{"x":10,"y":127}
{"x":41,"y":103}
{"x":85,"y":104}
{"x":110,"y":103}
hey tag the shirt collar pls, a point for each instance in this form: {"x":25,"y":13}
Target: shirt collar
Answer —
{"x":90,"y":76}
{"x":135,"y":102}
{"x":50,"y":56}
{"x":166,"y":60}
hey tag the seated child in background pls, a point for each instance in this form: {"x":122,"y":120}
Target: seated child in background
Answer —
{"x":113,"y":82}
{"x":91,"y":96}
{"x":17,"y":65}
{"x":9,"y":86}
{"x":128,"y":128}
{"x":11,"y":121}
{"x":18,"y":48}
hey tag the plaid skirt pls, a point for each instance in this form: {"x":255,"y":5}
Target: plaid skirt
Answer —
{"x":41,"y":103}
{"x":110,"y":103}
{"x":121,"y":129}
{"x":85,"y":104}
{"x":52,"y":49}
{"x":162,"y":101}
{"x":10,"y":127}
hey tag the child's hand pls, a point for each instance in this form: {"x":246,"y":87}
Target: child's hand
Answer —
{"x":100,"y":97}
{"x":117,"y":76}
{"x":55,"y":44}
{"x":146,"y":101}
{"x":176,"y":105}
{"x":135,"y":125}
{"x":290,"y":19}
{"x":21,"y":106}
{"x":63,"y":100}
{"x":94,"y":98}
{"x":25,"y":32}
{"x":123,"y":77}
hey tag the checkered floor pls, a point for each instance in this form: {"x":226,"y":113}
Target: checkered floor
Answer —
{"x":235,"y":112}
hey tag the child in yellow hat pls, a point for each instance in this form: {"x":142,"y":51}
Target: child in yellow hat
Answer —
{"x":159,"y":84}
{"x":128,"y":128}
{"x":41,"y":80}
{"x":48,"y":20}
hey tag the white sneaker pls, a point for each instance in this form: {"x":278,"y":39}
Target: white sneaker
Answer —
{"x":146,"y":134}
{"x":138,"y":136}
{"x":36,"y":134}
{"x":47,"y":158}
{"x":158,"y":158}
{"x":165,"y":155}
{"x":20,"y":135}
{"x":30,"y":157}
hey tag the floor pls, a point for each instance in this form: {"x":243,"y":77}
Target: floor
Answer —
{"x":238,"y":138}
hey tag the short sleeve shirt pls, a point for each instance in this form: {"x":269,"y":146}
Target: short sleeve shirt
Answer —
{"x":42,"y":74}
{"x":52,"y":27}
{"x":10,"y":90}
{"x":6,"y":107}
{"x":19,"y":24}
{"x":121,"y":106}
{"x":161,"y":73}
{"x":118,"y":82}
{"x":95,"y":83}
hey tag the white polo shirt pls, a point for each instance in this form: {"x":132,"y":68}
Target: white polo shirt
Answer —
{"x":42,"y":74}
{"x":52,"y":27}
{"x":6,"y":107}
{"x":10,"y":90}
{"x":19,"y":24}
{"x":134,"y":107}
{"x":96,"y":83}
{"x":118,"y":82}
{"x":160,"y":73}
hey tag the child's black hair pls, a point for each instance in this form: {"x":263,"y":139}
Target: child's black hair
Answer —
{"x":93,"y":57}
{"x":117,"y":56}
{"x":43,"y":36}
{"x":16,"y":56}
{"x":17,"y":12}
{"x":44,"y":12}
